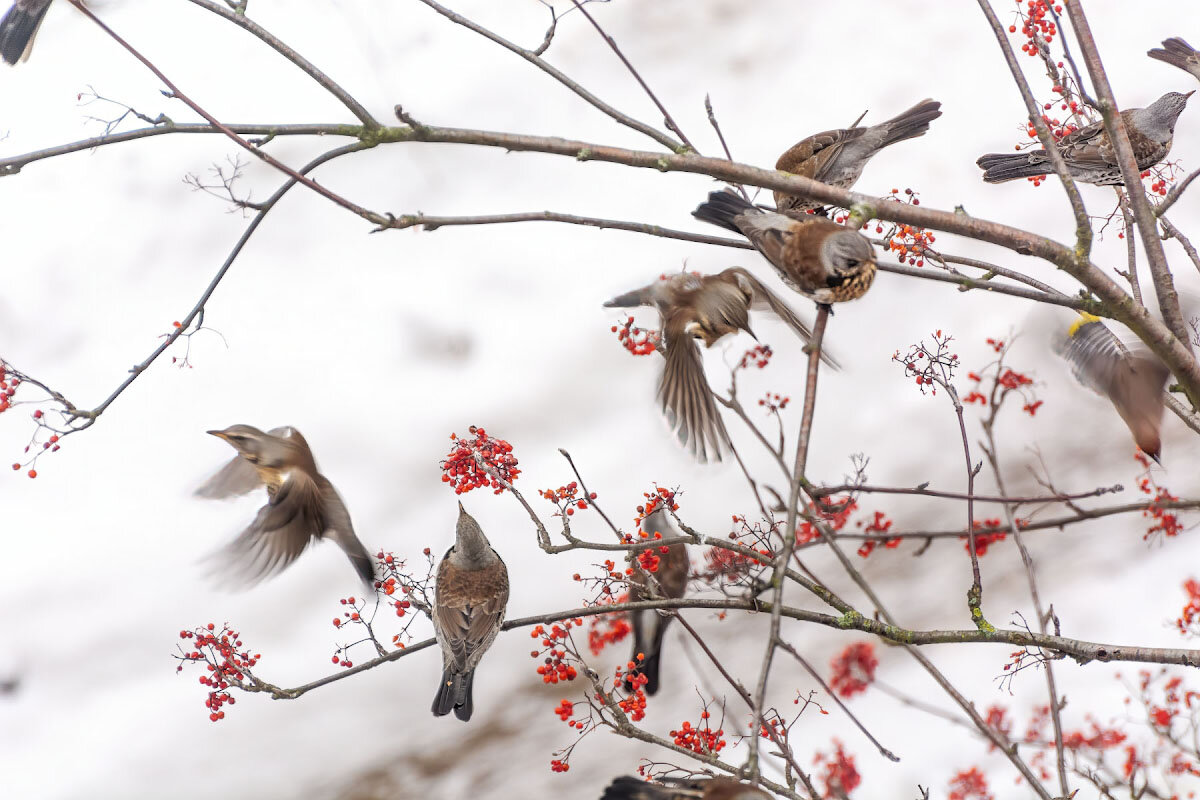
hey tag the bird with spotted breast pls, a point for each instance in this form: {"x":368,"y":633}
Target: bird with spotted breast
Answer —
{"x":822,"y":260}
{"x":18,"y":26}
{"x":837,"y":157}
{"x":1178,"y":53}
{"x":1088,"y":153}
{"x":1132,"y":379}
{"x":703,"y":307}
{"x":470,"y":598}
{"x":302,"y":505}
{"x":628,"y":787}
{"x":670,"y":581}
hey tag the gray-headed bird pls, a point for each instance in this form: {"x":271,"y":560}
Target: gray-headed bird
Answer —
{"x":629,"y":788}
{"x":1089,"y":154}
{"x":470,"y":598}
{"x":672,"y":579}
{"x":1133,"y":381}
{"x":18,"y":27}
{"x":704,"y":307}
{"x":822,"y":260}
{"x":302,"y":504}
{"x":1178,"y":53}
{"x":837,"y":157}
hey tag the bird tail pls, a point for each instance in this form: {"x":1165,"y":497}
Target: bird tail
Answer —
{"x":454,"y":694}
{"x":912,"y":123}
{"x":1001,"y":167}
{"x":1175,"y":51}
{"x":722,"y":207}
{"x":648,"y":640}
{"x":17,"y":29}
{"x":629,"y":788}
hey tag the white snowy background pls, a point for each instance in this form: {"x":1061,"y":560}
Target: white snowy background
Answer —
{"x":379,"y":346}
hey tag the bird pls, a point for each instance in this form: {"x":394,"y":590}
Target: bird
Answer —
{"x":1178,"y":53}
{"x":704,"y":307}
{"x":18,"y":27}
{"x":1132,"y":380}
{"x":1088,"y":153}
{"x":649,"y":625}
{"x":837,"y":157}
{"x":302,"y":504}
{"x":470,"y":596}
{"x":822,"y":260}
{"x":628,"y":787}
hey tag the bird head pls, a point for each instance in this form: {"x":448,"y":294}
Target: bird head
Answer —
{"x":847,"y":253}
{"x":467,"y":526}
{"x":246,"y":439}
{"x":1168,"y":107}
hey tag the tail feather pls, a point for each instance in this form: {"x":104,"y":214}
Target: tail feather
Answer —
{"x":649,"y":628}
{"x":1000,"y":167}
{"x":912,"y":123}
{"x":16,"y":31}
{"x":1175,"y":51}
{"x":722,"y":207}
{"x":454,"y":694}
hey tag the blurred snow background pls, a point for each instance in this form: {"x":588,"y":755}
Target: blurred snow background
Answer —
{"x":378,"y":347}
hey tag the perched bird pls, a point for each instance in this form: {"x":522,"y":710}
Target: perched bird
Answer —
{"x":627,"y":787}
{"x":824,"y":261}
{"x":704,"y":307}
{"x":302,"y":504}
{"x":1178,"y":53}
{"x":1132,"y":381}
{"x":1088,"y":153}
{"x":672,"y":578}
{"x":18,"y":27}
{"x":468,"y":610}
{"x":837,"y":157}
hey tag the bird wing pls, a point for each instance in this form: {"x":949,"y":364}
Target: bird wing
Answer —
{"x":684,"y":393}
{"x":813,"y":156}
{"x":239,"y":476}
{"x":1178,"y":53}
{"x":1086,"y":146}
{"x":469,"y":609}
{"x":280,"y":532}
{"x":767,"y":231}
{"x":657,"y":293}
{"x":764,"y":298}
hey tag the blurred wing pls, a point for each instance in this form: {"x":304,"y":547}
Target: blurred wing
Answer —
{"x":685,"y":396}
{"x":235,"y":478}
{"x":1177,"y":52}
{"x":657,"y":293}
{"x":1094,"y":354}
{"x":281,"y":531}
{"x":764,"y":298}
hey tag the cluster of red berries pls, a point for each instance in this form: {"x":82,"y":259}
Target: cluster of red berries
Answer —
{"x":909,"y":242}
{"x":606,"y":629}
{"x":984,"y":540}
{"x":759,"y":356}
{"x":969,"y":785}
{"x":834,"y":512}
{"x":638,"y":341}
{"x":1036,"y":23}
{"x":554,"y":666}
{"x":726,"y":566}
{"x":879,"y":524}
{"x":701,"y":739}
{"x":853,"y":670}
{"x":226,"y":665}
{"x":634,"y":702}
{"x":566,"y":498}
{"x":1166,"y":522}
{"x":840,"y":775}
{"x":773,"y":402}
{"x":462,"y":471}
{"x":929,"y":367}
{"x":8,"y":387}
{"x":656,"y":499}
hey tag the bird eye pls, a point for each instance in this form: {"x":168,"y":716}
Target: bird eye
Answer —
{"x":852,"y":262}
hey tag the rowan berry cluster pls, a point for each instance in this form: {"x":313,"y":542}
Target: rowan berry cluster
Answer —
{"x":467,"y":464}
{"x":8,"y":387}
{"x":225,"y":663}
{"x":567,"y":498}
{"x":910,"y":243}
{"x":606,"y":629}
{"x":1164,"y":520}
{"x":969,"y":785}
{"x":700,"y":738}
{"x":758,"y":356}
{"x":853,"y":669}
{"x":929,"y":366}
{"x":878,"y":525}
{"x":638,"y":341}
{"x":839,"y":774}
{"x":984,"y":540}
{"x":412,"y":590}
{"x":833,"y":513}
{"x":556,"y":651}
{"x":1037,"y":24}
{"x":773,"y":402}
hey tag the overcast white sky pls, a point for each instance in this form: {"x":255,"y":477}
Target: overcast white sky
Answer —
{"x":378,"y":347}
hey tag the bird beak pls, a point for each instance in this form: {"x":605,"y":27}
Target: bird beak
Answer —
{"x":1189,"y":94}
{"x":461,"y":510}
{"x":752,"y":336}
{"x":218,"y":434}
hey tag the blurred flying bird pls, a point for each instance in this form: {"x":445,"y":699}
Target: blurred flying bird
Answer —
{"x":629,"y":788}
{"x":672,"y":578}
{"x":18,"y":27}
{"x":822,"y":260}
{"x":704,"y":307}
{"x":1178,"y":53}
{"x":837,"y":157}
{"x":302,"y":504}
{"x":1088,"y":153}
{"x":1133,"y":381}
{"x":468,"y":610}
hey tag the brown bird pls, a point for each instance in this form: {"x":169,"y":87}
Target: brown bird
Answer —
{"x":470,"y":598}
{"x":824,"y":261}
{"x":1132,"y":381}
{"x":704,"y":307}
{"x":1089,"y":154}
{"x":672,"y":579}
{"x":628,"y":787}
{"x":1178,"y":53}
{"x":18,"y":27}
{"x":302,"y":504}
{"x":837,"y":157}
